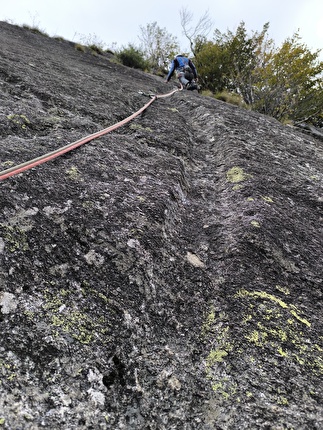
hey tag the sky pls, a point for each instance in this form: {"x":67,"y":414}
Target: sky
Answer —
{"x":116,"y":23}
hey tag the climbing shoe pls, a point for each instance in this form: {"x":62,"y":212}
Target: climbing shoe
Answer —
{"x":191,"y":86}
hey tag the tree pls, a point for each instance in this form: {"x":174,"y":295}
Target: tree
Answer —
{"x":289,"y":85}
{"x":211,"y":62}
{"x":285,"y":83}
{"x":229,"y":61}
{"x":244,"y":55}
{"x":200,"y":30}
{"x":158,"y":46}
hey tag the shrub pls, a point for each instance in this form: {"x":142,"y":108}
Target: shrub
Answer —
{"x":132,"y":57}
{"x":96,"y":49}
{"x":80,"y":47}
{"x":229,"y":97}
{"x":35,"y":30}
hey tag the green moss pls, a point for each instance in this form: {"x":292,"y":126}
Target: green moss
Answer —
{"x":64,"y":292}
{"x":221,"y":347}
{"x":77,"y":324}
{"x":263,"y":295}
{"x":236,"y":174}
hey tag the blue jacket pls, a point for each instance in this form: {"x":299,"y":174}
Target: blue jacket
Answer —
{"x":179,"y":63}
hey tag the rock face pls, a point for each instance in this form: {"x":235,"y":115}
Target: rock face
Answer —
{"x":165,"y":276}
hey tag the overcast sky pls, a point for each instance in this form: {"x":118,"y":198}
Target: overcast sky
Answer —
{"x":119,"y":21}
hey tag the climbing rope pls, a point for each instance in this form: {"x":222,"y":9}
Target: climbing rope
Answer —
{"x":63,"y":150}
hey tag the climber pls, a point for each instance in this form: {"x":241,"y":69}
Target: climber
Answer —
{"x":185,"y":71}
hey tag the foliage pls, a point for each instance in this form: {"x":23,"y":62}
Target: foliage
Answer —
{"x":80,"y":47}
{"x":92,"y":41}
{"x":35,"y":29}
{"x":232,"y":98}
{"x":284,"y":82}
{"x":132,"y":57}
{"x":229,"y":61}
{"x":289,"y":85}
{"x":96,"y":49}
{"x":210,"y":60}
{"x":158,"y":47}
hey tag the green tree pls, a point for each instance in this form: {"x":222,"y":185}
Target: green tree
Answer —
{"x":244,"y":55}
{"x":289,"y":85}
{"x":158,"y":46}
{"x":228,"y":62}
{"x":285,"y":83}
{"x":211,"y":62}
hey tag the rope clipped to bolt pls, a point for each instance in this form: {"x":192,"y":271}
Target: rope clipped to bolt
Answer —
{"x":67,"y":148}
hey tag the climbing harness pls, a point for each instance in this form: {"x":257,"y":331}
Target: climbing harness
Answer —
{"x":63,"y":150}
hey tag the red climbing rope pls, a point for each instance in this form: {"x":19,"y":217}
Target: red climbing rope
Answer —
{"x":60,"y":151}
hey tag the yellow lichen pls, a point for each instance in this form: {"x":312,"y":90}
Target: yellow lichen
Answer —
{"x":262,"y":295}
{"x":215,"y":356}
{"x":65,"y":317}
{"x":282,"y":401}
{"x":209,"y":322}
{"x":281,"y":352}
{"x":237,"y":187}
{"x":237,"y":174}
{"x":284,"y":290}
{"x":302,"y":320}
{"x":267,"y":199}
{"x":73,"y":173}
{"x":283,"y":331}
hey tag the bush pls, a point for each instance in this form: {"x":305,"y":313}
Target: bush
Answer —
{"x":35,"y":30}
{"x":132,"y":57}
{"x":231,"y":98}
{"x":80,"y":47}
{"x":96,"y":49}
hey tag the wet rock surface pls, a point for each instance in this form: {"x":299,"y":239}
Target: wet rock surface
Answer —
{"x":165,"y":276}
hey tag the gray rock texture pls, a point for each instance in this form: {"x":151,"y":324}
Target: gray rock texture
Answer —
{"x":167,"y":275}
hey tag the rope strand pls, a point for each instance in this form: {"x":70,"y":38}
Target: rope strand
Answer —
{"x":63,"y":150}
